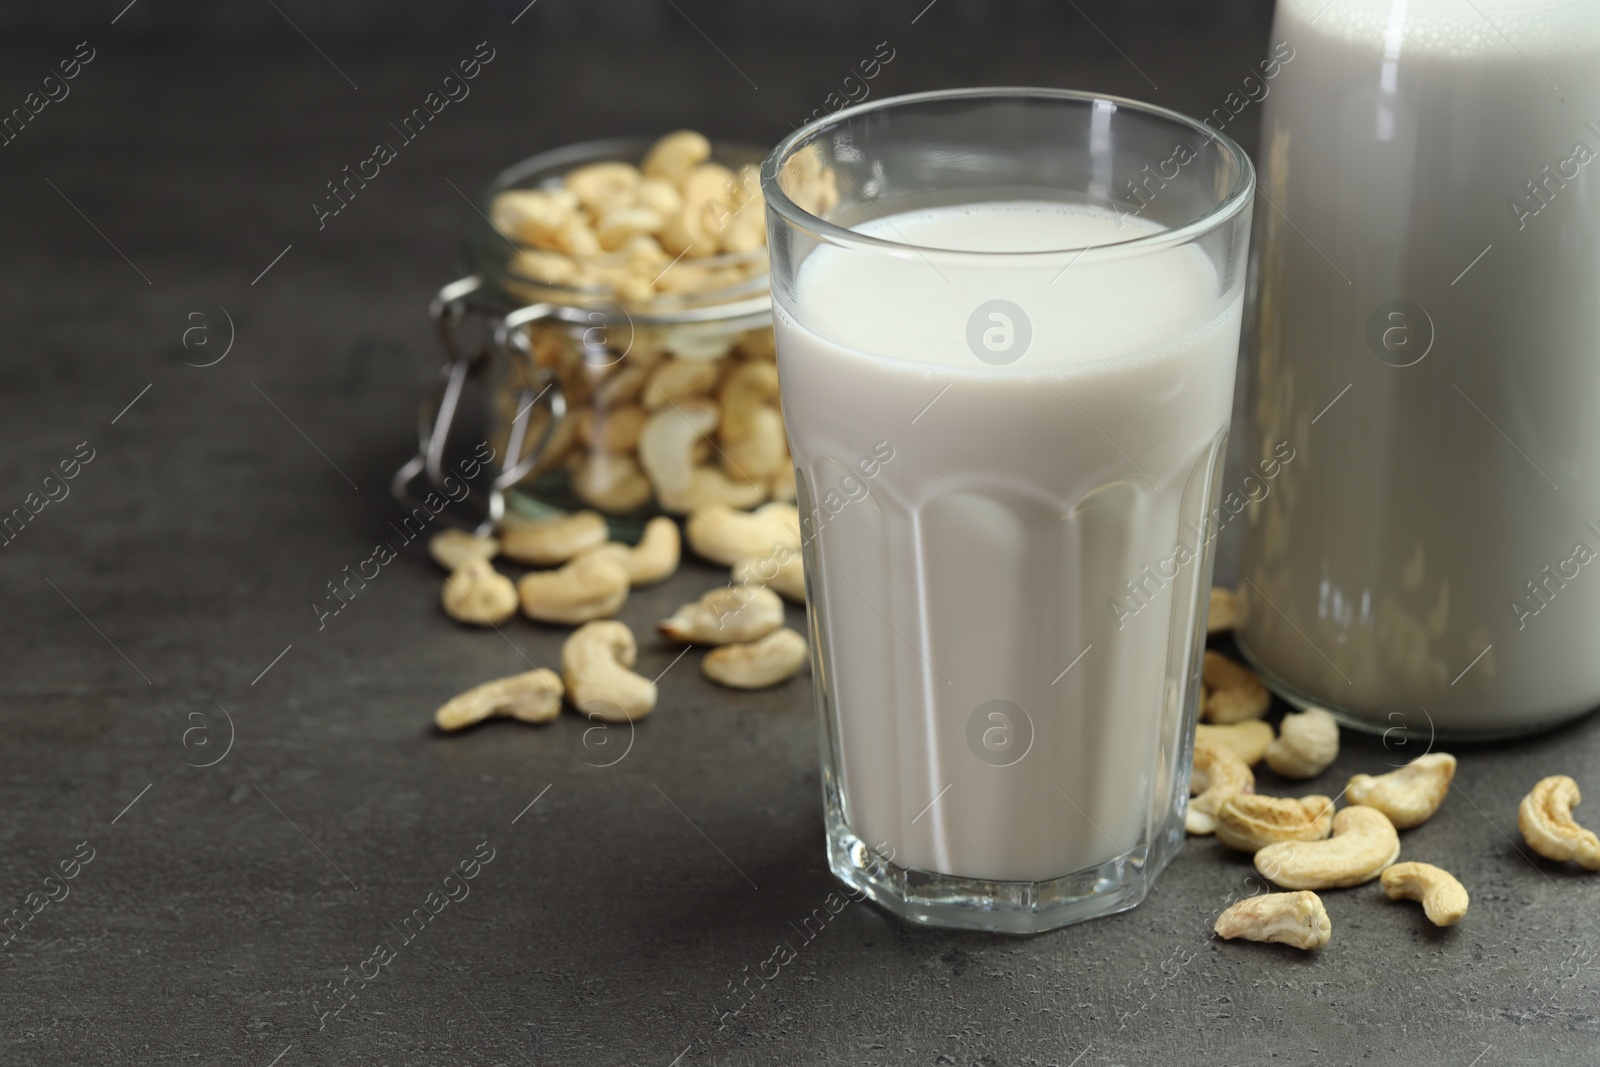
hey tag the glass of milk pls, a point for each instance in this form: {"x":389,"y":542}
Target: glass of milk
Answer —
{"x":1426,"y":346}
{"x":1007,"y":323}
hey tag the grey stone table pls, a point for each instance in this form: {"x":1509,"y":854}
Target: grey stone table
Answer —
{"x":164,"y":607}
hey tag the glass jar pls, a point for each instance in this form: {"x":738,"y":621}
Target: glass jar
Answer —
{"x":1420,"y":536}
{"x":579,"y":360}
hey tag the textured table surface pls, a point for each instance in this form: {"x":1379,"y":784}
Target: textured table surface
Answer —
{"x":165,"y":608}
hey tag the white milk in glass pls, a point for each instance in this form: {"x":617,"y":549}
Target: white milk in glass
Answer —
{"x":1033,"y":538}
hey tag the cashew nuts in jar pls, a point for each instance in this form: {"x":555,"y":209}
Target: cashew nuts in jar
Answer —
{"x":1295,"y":919}
{"x":595,"y":663}
{"x":1410,"y":795}
{"x":534,"y":696}
{"x":729,"y":615}
{"x":1545,"y":818}
{"x":770,"y":661}
{"x":476,"y":594}
{"x":679,"y":230}
{"x":1364,"y":842}
{"x":1443,"y":898}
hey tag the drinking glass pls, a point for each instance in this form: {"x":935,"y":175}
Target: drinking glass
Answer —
{"x":1007,"y":325}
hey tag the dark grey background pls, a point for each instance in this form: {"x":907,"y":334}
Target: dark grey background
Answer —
{"x":620,"y":906}
{"x":638,"y":17}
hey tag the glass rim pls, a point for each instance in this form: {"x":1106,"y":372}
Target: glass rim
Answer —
{"x":1228,"y":207}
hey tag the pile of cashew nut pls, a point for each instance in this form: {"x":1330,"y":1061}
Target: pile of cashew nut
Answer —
{"x":581,"y":578}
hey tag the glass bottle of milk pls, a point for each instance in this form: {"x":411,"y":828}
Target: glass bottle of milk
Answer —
{"x":1426,"y":345}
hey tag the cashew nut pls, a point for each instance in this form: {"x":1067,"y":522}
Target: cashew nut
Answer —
{"x":1444,"y":899}
{"x":667,"y":443}
{"x":1248,"y":739}
{"x":1307,"y":743}
{"x":727,"y":615}
{"x":660,"y":196}
{"x":1410,"y":795}
{"x":677,"y":379}
{"x":653,"y":559}
{"x":1233,"y":692}
{"x":602,"y":187}
{"x":1250,"y":822}
{"x":620,"y":225}
{"x":782,"y":571}
{"x":590,"y":587}
{"x":552,"y":541}
{"x":722,"y":535}
{"x":783,"y":484}
{"x":1295,"y":919}
{"x":675,"y":155}
{"x":1224,"y":610}
{"x":611,"y":482}
{"x":1545,"y":818}
{"x":477,"y":594}
{"x":1364,"y":842}
{"x":767,"y":662}
{"x":708,"y":485}
{"x":531,"y":215}
{"x":753,"y":441}
{"x":612,"y":429}
{"x":695,"y":230}
{"x":1217,"y":775}
{"x":451,"y":548}
{"x":595,"y":662}
{"x":534,"y":696}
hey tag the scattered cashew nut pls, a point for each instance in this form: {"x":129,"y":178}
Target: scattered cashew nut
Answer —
{"x":1218,"y":774}
{"x":551,"y":541}
{"x":1545,"y":818}
{"x":1224,"y":610}
{"x":729,"y":615}
{"x":767,"y":662}
{"x":451,"y":548}
{"x":782,"y":571}
{"x":1295,"y":919}
{"x":1307,"y":743}
{"x":590,"y":587}
{"x":653,"y":559}
{"x":1444,"y":899}
{"x":1364,"y":842}
{"x":477,"y":594}
{"x":1250,"y":822}
{"x":1233,"y":692}
{"x":1410,"y":795}
{"x":723,"y":535}
{"x":534,"y":696}
{"x":595,"y":662}
{"x":1248,"y":739}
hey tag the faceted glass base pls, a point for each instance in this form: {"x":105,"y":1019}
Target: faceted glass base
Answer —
{"x":945,"y":900}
